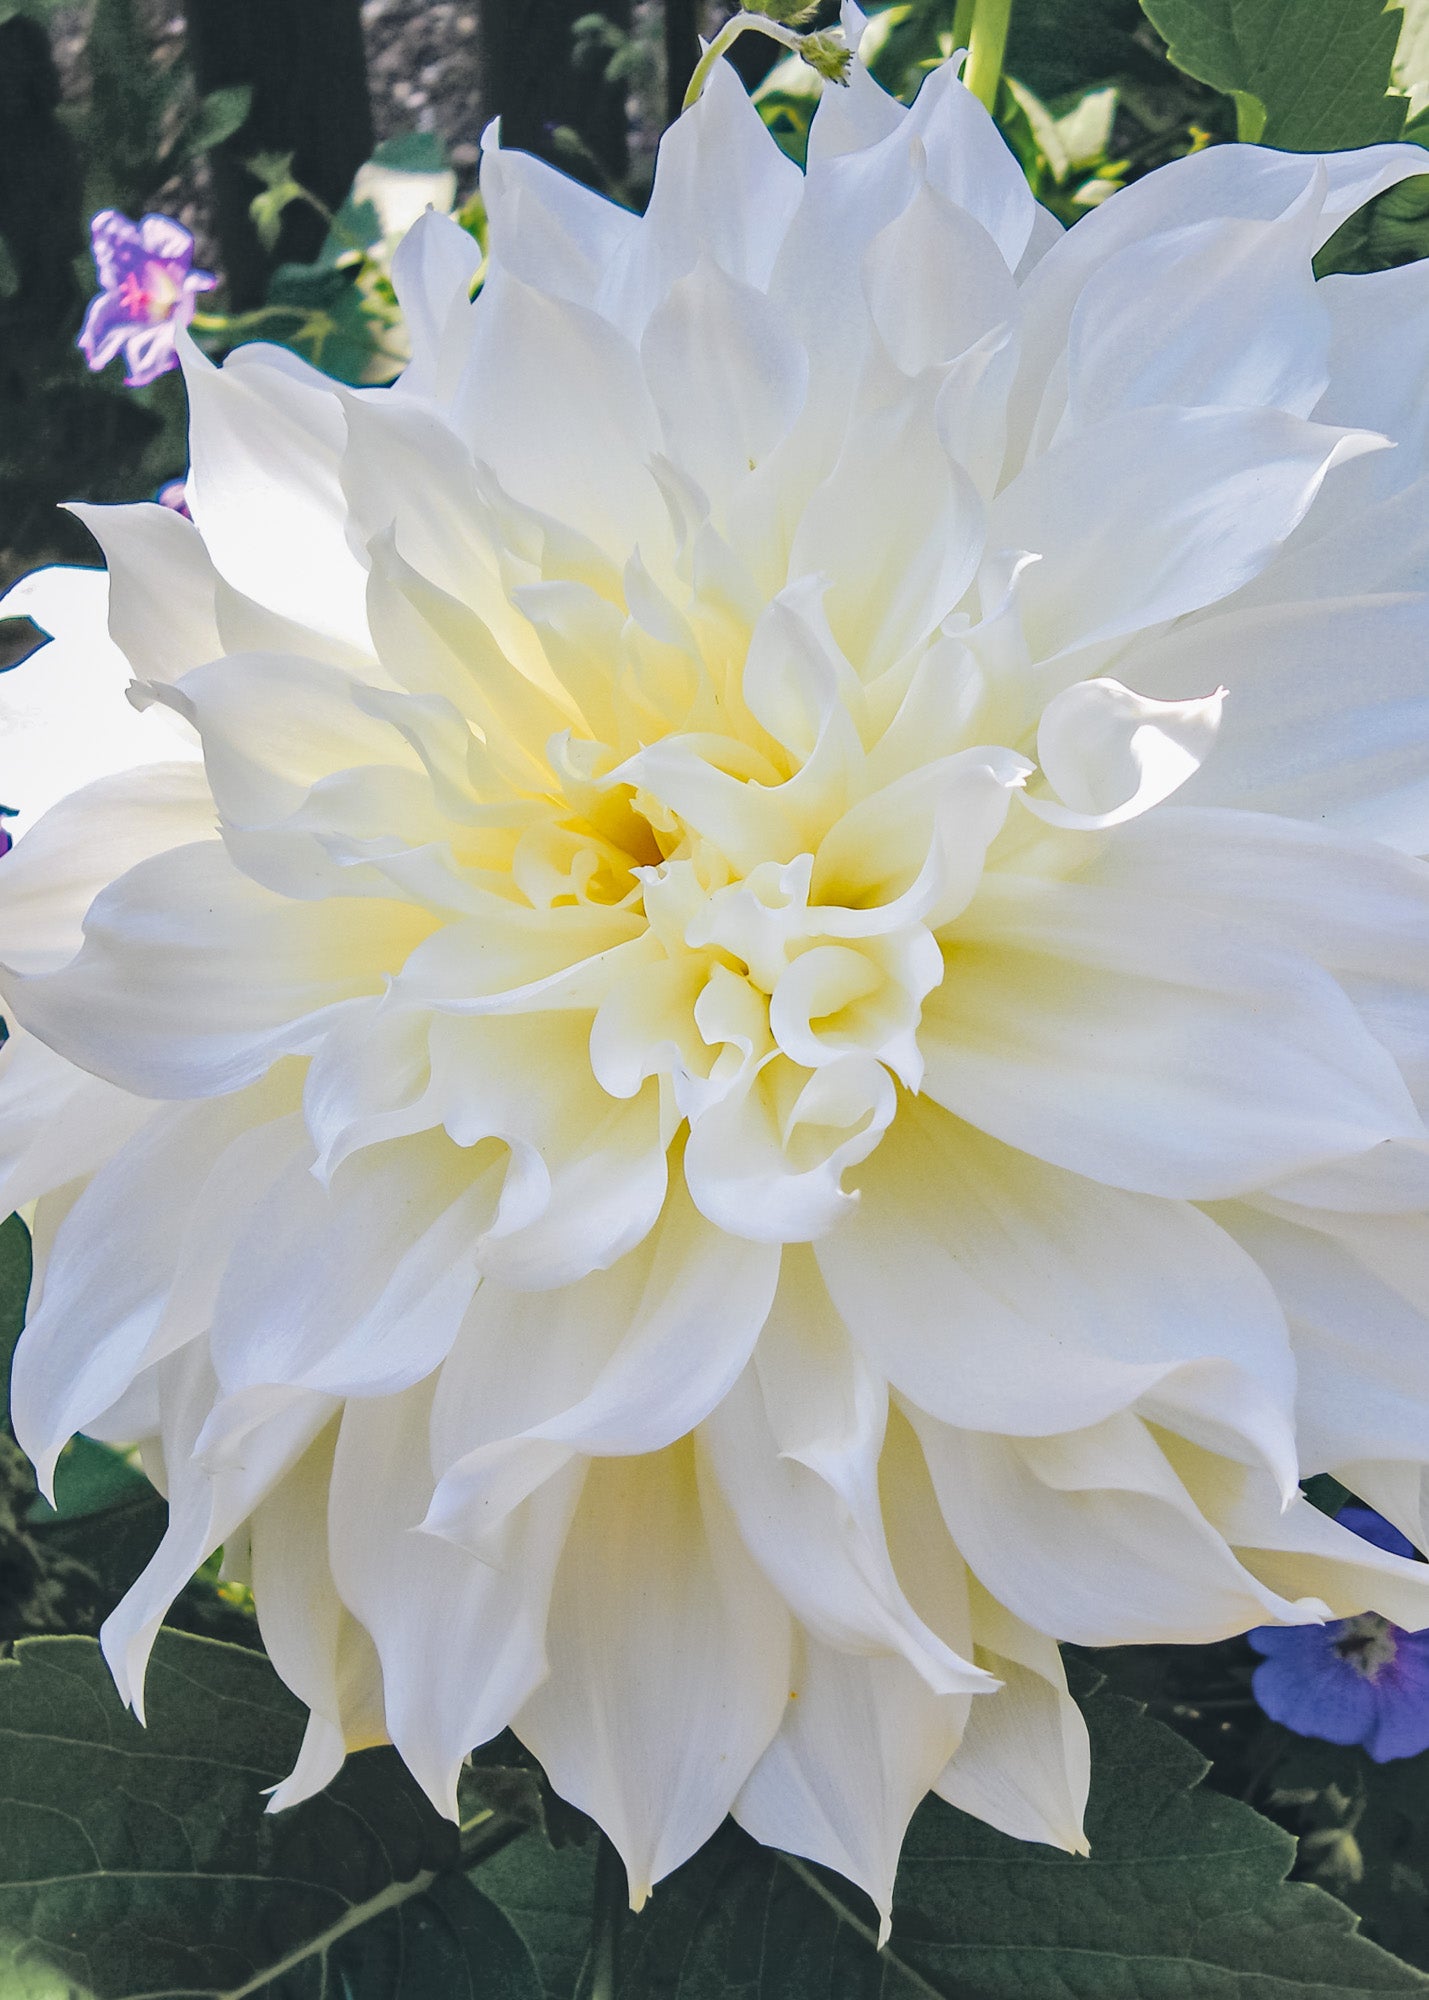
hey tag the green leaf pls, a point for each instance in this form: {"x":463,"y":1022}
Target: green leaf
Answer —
{"x":1184,"y":1897}
{"x":14,"y":1291}
{"x":334,"y":332}
{"x":1394,"y":229}
{"x":138,"y":1862}
{"x":1320,"y":69}
{"x":218,"y":117}
{"x":412,"y":153}
{"x":1411,"y":55}
{"x":34,"y":10}
{"x":547,"y":1894}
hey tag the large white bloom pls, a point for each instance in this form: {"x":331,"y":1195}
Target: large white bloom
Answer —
{"x":739,"y":1094}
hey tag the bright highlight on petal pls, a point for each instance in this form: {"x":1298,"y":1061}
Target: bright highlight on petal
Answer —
{"x":778,"y":1054}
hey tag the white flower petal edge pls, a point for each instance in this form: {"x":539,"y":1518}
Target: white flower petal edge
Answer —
{"x":64,"y":721}
{"x":779,"y":1056}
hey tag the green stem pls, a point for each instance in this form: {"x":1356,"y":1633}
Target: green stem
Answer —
{"x":611,"y":1896}
{"x":487,"y":1834}
{"x":962,"y":23}
{"x":725,"y":40}
{"x":987,"y":44}
{"x":231,"y":322}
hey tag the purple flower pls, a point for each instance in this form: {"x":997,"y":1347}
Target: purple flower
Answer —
{"x":1357,"y":1680}
{"x":173,"y":495}
{"x":148,"y":290}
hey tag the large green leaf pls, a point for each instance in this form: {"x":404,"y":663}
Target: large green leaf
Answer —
{"x":1411,"y":55}
{"x":137,"y":1863}
{"x":547,"y":1893}
{"x":14,"y":1290}
{"x":1184,"y":1898}
{"x":1318,"y":69}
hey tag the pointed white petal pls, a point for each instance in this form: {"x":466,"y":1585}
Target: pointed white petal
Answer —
{"x":863,"y":1741}
{"x":669,"y":1663}
{"x":64,"y":718}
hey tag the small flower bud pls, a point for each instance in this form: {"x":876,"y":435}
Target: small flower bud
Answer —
{"x":827,"y":53}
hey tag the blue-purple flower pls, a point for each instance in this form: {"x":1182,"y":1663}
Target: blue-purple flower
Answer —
{"x":173,"y":494}
{"x":1355,"y":1680}
{"x":148,"y":290}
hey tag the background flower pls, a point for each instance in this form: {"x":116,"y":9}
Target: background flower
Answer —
{"x":1357,"y":1680}
{"x":148,"y":290}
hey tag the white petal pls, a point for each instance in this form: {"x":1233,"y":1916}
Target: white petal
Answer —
{"x":546,"y":228}
{"x":1328,"y":711}
{"x":155,"y":971}
{"x":669,"y":1663}
{"x":1247,"y":182}
{"x":203,"y":1510}
{"x":678,"y":1317}
{"x":64,"y":718}
{"x":357,"y":1287}
{"x":1092,"y":1537}
{"x":317,"y":1646}
{"x":936,"y":282}
{"x":795,"y":1447}
{"x":58,"y":1124}
{"x":1377,"y":354}
{"x":162,"y":587}
{"x":969,"y":162}
{"x":588,"y":1173}
{"x":461,"y":1641}
{"x":1024,"y":1763}
{"x":1005,"y":1295}
{"x":265,"y":493}
{"x":556,"y":403}
{"x":95,"y":1325}
{"x":1134,"y":1039}
{"x":1110,"y":755}
{"x":767,"y":1162}
{"x":1359,"y":1397}
{"x":1297,"y":1549}
{"x":1191,"y":505}
{"x":722,"y":188}
{"x":727,"y":379}
{"x":433,"y":270}
{"x":847,"y":120}
{"x":861,"y":1745}
{"x":897,"y":527}
{"x":78,"y":847}
{"x":1248,"y":327}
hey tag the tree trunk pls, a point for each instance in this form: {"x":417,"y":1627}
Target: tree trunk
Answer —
{"x":305,"y":62}
{"x":533,"y":85}
{"x":682,"y":52}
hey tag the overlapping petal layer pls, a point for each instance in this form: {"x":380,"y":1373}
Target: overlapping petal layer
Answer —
{"x":779,"y":1054}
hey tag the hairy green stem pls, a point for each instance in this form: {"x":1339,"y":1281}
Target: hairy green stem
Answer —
{"x":725,"y":40}
{"x":987,"y":44}
{"x":234,"y":322}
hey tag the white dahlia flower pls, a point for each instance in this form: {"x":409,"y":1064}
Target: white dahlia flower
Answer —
{"x":772,"y":1061}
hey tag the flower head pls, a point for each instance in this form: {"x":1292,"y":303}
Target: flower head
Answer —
{"x":1356,"y":1680}
{"x":148,"y":289}
{"x":740,"y":1093}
